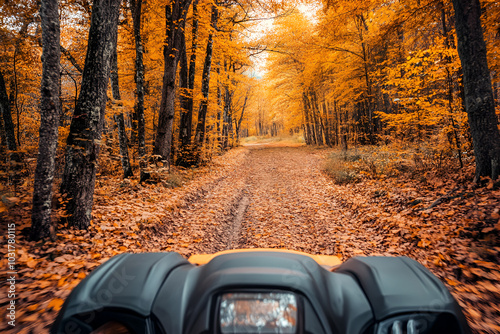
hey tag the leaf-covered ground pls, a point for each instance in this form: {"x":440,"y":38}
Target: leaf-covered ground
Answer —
{"x":272,"y":196}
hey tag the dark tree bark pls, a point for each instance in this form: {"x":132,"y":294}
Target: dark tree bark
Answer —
{"x":305,"y":128}
{"x":205,"y":84}
{"x":123,"y":140}
{"x":113,"y":74}
{"x":309,"y":122}
{"x":184,"y":155}
{"x":238,"y":123}
{"x":23,"y":33}
{"x":479,"y":102}
{"x":227,"y":119}
{"x":448,"y":41}
{"x":3,"y":137}
{"x":219,"y":108}
{"x":119,"y":118}
{"x":327,"y":127}
{"x":175,"y":20}
{"x":41,"y":226}
{"x":83,"y":141}
{"x":139,"y":83}
{"x":186,"y":81}
{"x":5,"y":107}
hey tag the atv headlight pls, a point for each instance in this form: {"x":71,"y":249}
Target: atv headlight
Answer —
{"x":421,"y":323}
{"x":411,"y":324}
{"x":258,"y":313}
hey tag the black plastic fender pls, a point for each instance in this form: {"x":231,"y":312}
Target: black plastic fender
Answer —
{"x":127,"y":283}
{"x":399,"y":285}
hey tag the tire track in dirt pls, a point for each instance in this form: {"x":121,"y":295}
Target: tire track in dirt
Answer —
{"x":236,"y":224}
{"x":278,"y":197}
{"x":205,"y":219}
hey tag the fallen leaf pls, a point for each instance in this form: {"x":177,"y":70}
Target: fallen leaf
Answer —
{"x":31,"y":263}
{"x":56,"y":304}
{"x":32,"y":307}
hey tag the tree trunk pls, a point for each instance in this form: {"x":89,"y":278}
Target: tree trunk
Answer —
{"x":305,"y":120}
{"x":449,"y":83}
{"x":318,"y":123}
{"x":192,"y":58}
{"x":139,"y":84}
{"x":83,"y":141}
{"x":23,"y":32}
{"x":226,"y":119}
{"x":309,"y":122}
{"x":115,"y":82}
{"x":219,"y":108}
{"x":479,"y":102}
{"x":72,"y":59}
{"x":183,"y":85}
{"x":238,"y":123}
{"x":369,"y":95}
{"x":175,"y":18}
{"x":184,"y":155}
{"x":124,"y":156}
{"x":14,"y":95}
{"x":119,"y":118}
{"x":3,"y":137}
{"x":5,"y":106}
{"x":205,"y":85}
{"x":41,"y":226}
{"x":192,"y":62}
{"x":327,"y":127}
{"x":305,"y":129}
{"x":186,"y":81}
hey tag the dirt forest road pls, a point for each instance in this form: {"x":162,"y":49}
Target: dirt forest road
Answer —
{"x":278,"y":197}
{"x":274,"y":197}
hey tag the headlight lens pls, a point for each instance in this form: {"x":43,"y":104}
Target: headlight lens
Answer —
{"x":407,"y":324}
{"x":421,"y":323}
{"x":258,"y":313}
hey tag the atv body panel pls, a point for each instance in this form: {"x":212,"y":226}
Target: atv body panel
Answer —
{"x":164,"y":293}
